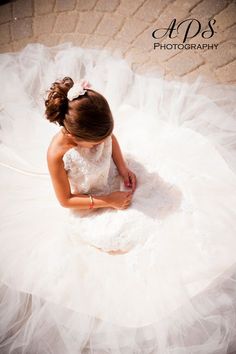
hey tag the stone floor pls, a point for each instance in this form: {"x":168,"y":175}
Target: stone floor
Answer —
{"x":124,"y":27}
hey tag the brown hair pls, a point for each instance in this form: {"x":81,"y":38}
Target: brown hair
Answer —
{"x":87,"y":117}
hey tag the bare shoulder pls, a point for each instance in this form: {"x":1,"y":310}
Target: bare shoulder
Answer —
{"x":57,"y":148}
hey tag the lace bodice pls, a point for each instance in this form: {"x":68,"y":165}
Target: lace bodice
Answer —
{"x":88,"y":169}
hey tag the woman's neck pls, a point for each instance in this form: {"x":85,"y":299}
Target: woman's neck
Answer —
{"x":67,"y":140}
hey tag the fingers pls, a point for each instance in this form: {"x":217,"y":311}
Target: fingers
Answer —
{"x":127,"y":201}
{"x":128,"y":198}
{"x":126,"y":205}
{"x":129,"y":195}
{"x":132,"y":179}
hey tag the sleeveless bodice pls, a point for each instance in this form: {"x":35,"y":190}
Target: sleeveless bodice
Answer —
{"x":88,"y":168}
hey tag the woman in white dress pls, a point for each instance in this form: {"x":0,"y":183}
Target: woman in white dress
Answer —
{"x":110,"y":252}
{"x":89,"y":110}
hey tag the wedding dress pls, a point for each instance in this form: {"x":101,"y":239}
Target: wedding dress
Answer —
{"x":172,"y":289}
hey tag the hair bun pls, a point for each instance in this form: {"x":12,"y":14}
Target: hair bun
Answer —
{"x":68,"y":82}
{"x":56,"y":102}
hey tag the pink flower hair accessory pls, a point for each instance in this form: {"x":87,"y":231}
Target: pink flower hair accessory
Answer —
{"x":78,"y":89}
{"x":85,"y":83}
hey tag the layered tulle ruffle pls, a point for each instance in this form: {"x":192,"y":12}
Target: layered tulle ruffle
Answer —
{"x":175,"y":290}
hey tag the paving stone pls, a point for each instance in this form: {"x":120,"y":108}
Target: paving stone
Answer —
{"x":66,"y":22}
{"x":44,"y":24}
{"x":151,"y":9}
{"x":227,"y":17}
{"x":5,"y":13}
{"x":131,"y":29}
{"x":88,"y":21}
{"x":215,"y":39}
{"x":83,"y":5}
{"x":5,"y":34}
{"x":150,"y":68}
{"x":75,"y":38}
{"x":220,"y":35}
{"x":117,"y":46}
{"x":124,"y":27}
{"x":144,"y":40}
{"x":227,"y":73}
{"x":164,"y":54}
{"x":228,"y":33}
{"x":218,"y":58}
{"x":109,"y":25}
{"x":20,"y":44}
{"x":22,"y":8}
{"x":49,"y":40}
{"x":43,"y":7}
{"x":171,"y":12}
{"x":21,"y":29}
{"x":183,"y":63}
{"x":95,"y":41}
{"x":62,"y":5}
{"x":107,"y":6}
{"x":137,"y":56}
{"x":205,"y":70}
{"x":6,"y":48}
{"x":187,"y":4}
{"x":205,"y":10}
{"x":128,"y":7}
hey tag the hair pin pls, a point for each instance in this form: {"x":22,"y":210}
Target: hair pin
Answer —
{"x":78,"y":89}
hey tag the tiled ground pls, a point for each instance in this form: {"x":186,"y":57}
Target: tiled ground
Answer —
{"x":125,"y":27}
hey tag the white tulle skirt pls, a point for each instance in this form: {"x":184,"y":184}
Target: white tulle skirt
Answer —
{"x":174,"y":291}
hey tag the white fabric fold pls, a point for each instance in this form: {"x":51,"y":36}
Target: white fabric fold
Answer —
{"x":175,"y":290}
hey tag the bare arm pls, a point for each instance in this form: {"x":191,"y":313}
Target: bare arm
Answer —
{"x":62,"y":187}
{"x":117,"y":156}
{"x":130,"y":179}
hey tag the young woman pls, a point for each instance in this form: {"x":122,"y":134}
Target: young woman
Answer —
{"x":89,"y":264}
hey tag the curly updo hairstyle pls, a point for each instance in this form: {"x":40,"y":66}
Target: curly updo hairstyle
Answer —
{"x":87,"y":117}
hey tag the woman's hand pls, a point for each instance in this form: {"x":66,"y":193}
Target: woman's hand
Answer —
{"x":119,"y":199}
{"x":130,"y":179}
